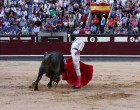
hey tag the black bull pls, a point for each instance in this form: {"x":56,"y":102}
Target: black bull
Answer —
{"x":52,"y":65}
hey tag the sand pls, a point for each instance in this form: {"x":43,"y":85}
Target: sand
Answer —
{"x":114,"y":86}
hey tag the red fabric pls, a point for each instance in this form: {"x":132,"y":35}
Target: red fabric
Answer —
{"x":49,"y":27}
{"x":82,"y":31}
{"x":70,"y":75}
{"x":95,"y":20}
{"x":1,"y":23}
{"x":84,"y":19}
{"x":60,"y":23}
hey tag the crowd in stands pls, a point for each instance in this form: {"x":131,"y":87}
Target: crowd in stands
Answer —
{"x":32,"y":16}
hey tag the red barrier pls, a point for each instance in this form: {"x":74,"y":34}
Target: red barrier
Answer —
{"x":100,"y":48}
{"x":93,"y":46}
{"x":32,"y":48}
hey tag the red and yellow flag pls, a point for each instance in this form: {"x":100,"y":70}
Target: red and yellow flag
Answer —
{"x":100,"y":8}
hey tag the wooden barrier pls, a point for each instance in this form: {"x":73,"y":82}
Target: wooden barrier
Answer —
{"x":30,"y":48}
{"x":93,"y":47}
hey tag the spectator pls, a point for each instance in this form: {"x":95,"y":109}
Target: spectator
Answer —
{"x":124,"y":30}
{"x":15,"y":22}
{"x":83,"y":20}
{"x":53,"y":12}
{"x":29,"y":10}
{"x":83,"y":4}
{"x":129,"y":29}
{"x":25,"y":30}
{"x":49,"y":27}
{"x":106,"y":30}
{"x":7,"y":32}
{"x":71,"y":25}
{"x":66,"y":23}
{"x":135,"y":31}
{"x":60,"y":24}
{"x":93,"y":29}
{"x":35,"y":18}
{"x":119,"y":23}
{"x":31,"y":29}
{"x":138,"y":14}
{"x":86,"y":28}
{"x":102,"y":23}
{"x":128,"y":22}
{"x":1,"y":23}
{"x":13,"y":8}
{"x":116,"y":19}
{"x":43,"y":25}
{"x":6,"y":23}
{"x":54,"y":26}
{"x":111,"y":23}
{"x":57,"y":5}
{"x":35,"y":30}
{"x":21,"y":2}
{"x":134,"y":22}
{"x":76,"y":31}
{"x":1,"y":32}
{"x":124,"y":20}
{"x":23,"y":22}
{"x":98,"y":30}
{"x":13,"y":29}
{"x":18,"y":10}
{"x":87,"y":31}
{"x":87,"y":10}
{"x":139,"y":25}
{"x":78,"y":18}
{"x":95,"y":20}
{"x":76,"y":7}
{"x":31,"y":16}
{"x":113,"y":12}
{"x":19,"y":32}
{"x":40,"y":15}
{"x":7,"y":10}
{"x":38,"y":22}
{"x":70,"y":8}
{"x":82,"y":31}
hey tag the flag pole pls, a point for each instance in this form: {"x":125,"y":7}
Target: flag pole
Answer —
{"x":110,"y":12}
{"x":89,"y":16}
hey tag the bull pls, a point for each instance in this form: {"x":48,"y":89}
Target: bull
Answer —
{"x":52,"y":65}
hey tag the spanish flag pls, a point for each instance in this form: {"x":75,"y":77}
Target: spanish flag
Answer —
{"x":100,"y":8}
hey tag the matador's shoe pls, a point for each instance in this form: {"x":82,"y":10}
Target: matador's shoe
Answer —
{"x":78,"y":83}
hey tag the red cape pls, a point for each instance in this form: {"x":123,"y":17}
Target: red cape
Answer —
{"x":70,"y":75}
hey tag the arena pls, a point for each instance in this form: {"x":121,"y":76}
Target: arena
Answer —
{"x":115,"y":86}
{"x":25,"y":29}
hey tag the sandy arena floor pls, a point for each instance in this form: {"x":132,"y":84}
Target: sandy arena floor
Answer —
{"x":115,"y":86}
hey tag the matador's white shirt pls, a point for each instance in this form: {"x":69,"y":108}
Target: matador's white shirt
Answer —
{"x":77,"y":44}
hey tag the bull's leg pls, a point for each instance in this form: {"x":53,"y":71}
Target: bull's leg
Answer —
{"x":50,"y":82}
{"x":37,"y":81}
{"x":56,"y":76}
{"x":56,"y":81}
{"x":40,"y":74}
